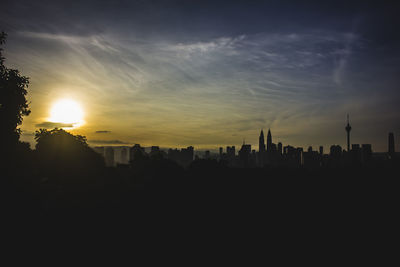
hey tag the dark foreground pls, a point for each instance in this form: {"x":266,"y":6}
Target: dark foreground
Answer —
{"x":205,"y":188}
{"x":323,"y":215}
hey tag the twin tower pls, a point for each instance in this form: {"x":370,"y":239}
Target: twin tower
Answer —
{"x":261,"y":142}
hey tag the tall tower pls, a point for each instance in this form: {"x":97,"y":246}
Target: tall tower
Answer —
{"x":348,"y":129}
{"x":391,"y":144}
{"x":261,"y":142}
{"x":269,"y":141}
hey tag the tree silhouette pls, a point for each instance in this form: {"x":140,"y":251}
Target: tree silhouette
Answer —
{"x":65,"y":154}
{"x":13,"y":103}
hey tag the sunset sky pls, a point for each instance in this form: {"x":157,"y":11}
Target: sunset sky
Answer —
{"x":210,"y":73}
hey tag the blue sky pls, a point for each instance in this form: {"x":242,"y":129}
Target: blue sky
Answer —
{"x":177,"y":73}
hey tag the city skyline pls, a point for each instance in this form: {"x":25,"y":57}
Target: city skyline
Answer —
{"x":244,"y":156}
{"x":269,"y":145}
{"x":261,"y":141}
{"x":209,"y":74}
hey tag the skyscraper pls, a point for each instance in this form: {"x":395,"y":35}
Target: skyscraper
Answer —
{"x":348,"y":129}
{"x":269,"y":141}
{"x":244,"y":154}
{"x":136,"y":152}
{"x":124,"y":155}
{"x":261,"y":142}
{"x":280,"y":148}
{"x":230,"y":152}
{"x":391,"y":144}
{"x":109,"y":156}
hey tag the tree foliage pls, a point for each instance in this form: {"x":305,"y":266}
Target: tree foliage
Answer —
{"x":13,"y":103}
{"x":62,"y":152}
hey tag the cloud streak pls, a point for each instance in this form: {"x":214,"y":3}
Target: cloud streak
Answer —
{"x":51,"y":125}
{"x":107,"y":142}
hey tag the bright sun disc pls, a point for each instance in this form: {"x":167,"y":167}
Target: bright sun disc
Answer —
{"x":66,"y":111}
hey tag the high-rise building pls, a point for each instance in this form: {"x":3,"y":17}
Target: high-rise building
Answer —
{"x":391,"y":149}
{"x":124,"y":155}
{"x":274,"y":148}
{"x":366,"y":151}
{"x":244,"y":154}
{"x":154,"y":149}
{"x":280,"y":148}
{"x":136,"y":152}
{"x":156,"y":153}
{"x":261,"y":142}
{"x":335,"y":151}
{"x":269,"y":141}
{"x":348,"y":129}
{"x":187,"y":155}
{"x":230,"y":152}
{"x":109,"y":156}
{"x":321,"y":150}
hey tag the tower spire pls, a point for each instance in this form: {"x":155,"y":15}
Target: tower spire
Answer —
{"x":261,"y":142}
{"x":269,"y":141}
{"x":348,"y":129}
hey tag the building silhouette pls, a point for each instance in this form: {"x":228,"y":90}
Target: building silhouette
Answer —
{"x":335,"y":156}
{"x":109,"y":157}
{"x":245,"y":154}
{"x":154,"y":149}
{"x":366,"y":150}
{"x":124,"y":155}
{"x":136,"y":153}
{"x":157,"y":153}
{"x":261,"y":142}
{"x":230,"y":154}
{"x":183,"y":157}
{"x":348,"y":129}
{"x":391,"y":149}
{"x":268,"y":154}
{"x":292,"y":156}
{"x":269,"y":141}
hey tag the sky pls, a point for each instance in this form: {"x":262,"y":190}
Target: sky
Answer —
{"x":211,"y":73}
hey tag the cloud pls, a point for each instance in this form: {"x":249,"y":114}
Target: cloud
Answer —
{"x":102,"y":132}
{"x":108,"y":142}
{"x":49,"y":125}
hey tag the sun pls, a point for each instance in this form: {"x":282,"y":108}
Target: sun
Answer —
{"x":67,"y":111}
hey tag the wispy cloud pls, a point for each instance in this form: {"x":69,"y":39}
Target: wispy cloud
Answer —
{"x":51,"y":125}
{"x":151,"y":91}
{"x":108,"y":142}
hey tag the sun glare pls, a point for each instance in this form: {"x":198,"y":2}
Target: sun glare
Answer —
{"x":67,"y":111}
